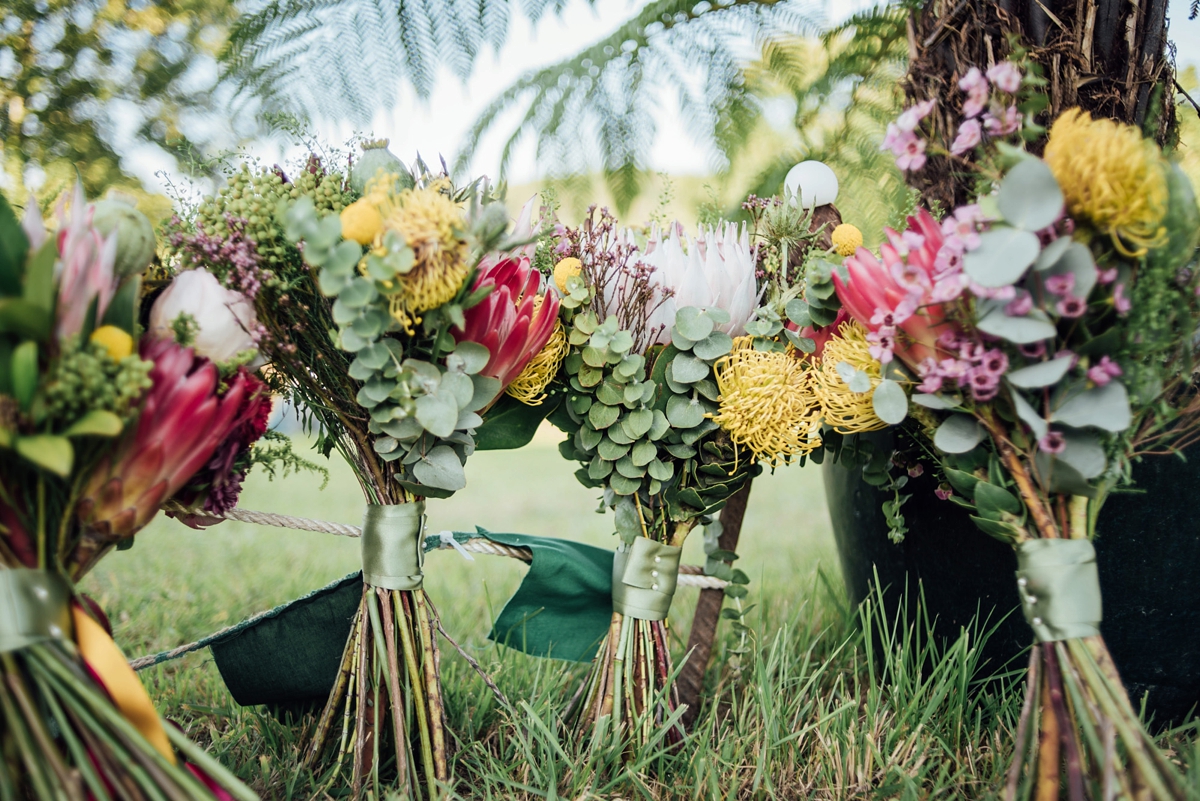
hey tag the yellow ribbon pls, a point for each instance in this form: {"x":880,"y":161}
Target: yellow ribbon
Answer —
{"x":127,"y":692}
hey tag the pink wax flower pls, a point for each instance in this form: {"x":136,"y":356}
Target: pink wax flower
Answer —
{"x":1071,"y":306}
{"x":912,"y":116}
{"x":1005,"y":76}
{"x":1061,"y":285}
{"x":1103,"y":371}
{"x":969,"y":135}
{"x":1122,"y":303}
{"x":1008,"y":123}
{"x":1052,"y":442}
{"x":977,"y":89}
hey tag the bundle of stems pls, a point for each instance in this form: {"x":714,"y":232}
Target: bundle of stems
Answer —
{"x":70,"y":742}
{"x":1077,"y":726}
{"x":390,"y":669}
{"x":630,"y":695}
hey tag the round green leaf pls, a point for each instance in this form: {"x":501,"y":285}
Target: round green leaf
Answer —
{"x":643,"y":453}
{"x":890,"y":402}
{"x":957,"y":434}
{"x":441,"y":468}
{"x":638,"y":422}
{"x":713,"y":346}
{"x":1003,"y":256}
{"x":693,"y":324}
{"x":1029,"y":197}
{"x":687,"y":369}
{"x":602,"y":415}
{"x":683,"y":412}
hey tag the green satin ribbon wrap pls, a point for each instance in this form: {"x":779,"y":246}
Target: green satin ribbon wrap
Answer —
{"x":1060,"y":588}
{"x":391,"y":545}
{"x":644,"y":578}
{"x":35,"y":606}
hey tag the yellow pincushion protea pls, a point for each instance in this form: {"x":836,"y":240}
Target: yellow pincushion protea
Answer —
{"x":845,"y":410}
{"x":1112,"y":178}
{"x":766,"y":402}
{"x":432,"y":225}
{"x":846,"y":239}
{"x":530,"y":386}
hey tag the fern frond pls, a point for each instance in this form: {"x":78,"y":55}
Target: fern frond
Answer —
{"x":597,"y":108}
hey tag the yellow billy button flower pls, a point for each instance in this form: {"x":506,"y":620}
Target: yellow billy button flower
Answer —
{"x":1112,"y":178}
{"x":846,"y":239}
{"x":116,"y":341}
{"x":361,"y":221}
{"x":847,"y":411}
{"x":766,"y":402}
{"x":564,"y":270}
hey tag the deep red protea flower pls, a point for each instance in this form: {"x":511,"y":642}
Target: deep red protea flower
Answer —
{"x":217,"y":485}
{"x":514,"y":321}
{"x":183,"y":421}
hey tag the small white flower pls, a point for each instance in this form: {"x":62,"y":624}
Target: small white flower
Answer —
{"x":225,"y":319}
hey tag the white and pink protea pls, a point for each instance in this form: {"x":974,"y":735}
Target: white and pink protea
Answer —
{"x":713,"y":269}
{"x":898,"y":296}
{"x":85,"y":266}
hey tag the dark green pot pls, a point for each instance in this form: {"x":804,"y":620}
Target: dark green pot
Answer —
{"x":1148,"y":550}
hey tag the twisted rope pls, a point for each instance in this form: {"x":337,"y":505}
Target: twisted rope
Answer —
{"x":689,"y":575}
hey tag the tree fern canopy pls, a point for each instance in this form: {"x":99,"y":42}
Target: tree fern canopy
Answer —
{"x":348,"y":58}
{"x":597,"y":108}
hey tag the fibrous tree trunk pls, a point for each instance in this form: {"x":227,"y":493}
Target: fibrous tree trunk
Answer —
{"x":1108,"y":57}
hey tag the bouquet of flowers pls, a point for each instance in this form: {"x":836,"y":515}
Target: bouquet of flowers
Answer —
{"x":393,"y":322}
{"x":100,"y":425}
{"x":1045,"y":336}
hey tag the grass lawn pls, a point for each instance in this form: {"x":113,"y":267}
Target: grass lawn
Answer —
{"x":808,"y":714}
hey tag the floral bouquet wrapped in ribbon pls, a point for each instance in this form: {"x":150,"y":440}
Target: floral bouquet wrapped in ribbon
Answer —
{"x":391,"y":334}
{"x":652,"y":334}
{"x":1046,"y":335}
{"x":100,"y":426}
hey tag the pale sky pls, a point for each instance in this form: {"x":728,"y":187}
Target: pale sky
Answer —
{"x":437,"y":126}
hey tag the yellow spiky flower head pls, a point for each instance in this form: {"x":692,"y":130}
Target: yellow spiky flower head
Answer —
{"x":432,"y":225}
{"x":845,"y":410}
{"x":530,"y":386}
{"x":1112,"y":178}
{"x":766,"y":402}
{"x":846,"y":239}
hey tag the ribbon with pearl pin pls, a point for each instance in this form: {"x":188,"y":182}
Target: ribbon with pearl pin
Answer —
{"x":645,"y":573}
{"x":1060,"y":588}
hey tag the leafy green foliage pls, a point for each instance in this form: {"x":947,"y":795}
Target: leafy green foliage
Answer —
{"x":73,"y":74}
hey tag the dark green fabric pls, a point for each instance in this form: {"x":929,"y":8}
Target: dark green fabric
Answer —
{"x":564,"y":606}
{"x":1060,"y":588}
{"x":291,"y":653}
{"x":391,"y":545}
{"x":644,"y":575}
{"x":34,"y":606}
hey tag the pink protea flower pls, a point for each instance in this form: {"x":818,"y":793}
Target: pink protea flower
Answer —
{"x":874,"y":286}
{"x":184,"y":419}
{"x":85,"y":269}
{"x":514,"y":322}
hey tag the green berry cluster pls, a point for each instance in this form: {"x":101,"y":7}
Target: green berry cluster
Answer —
{"x":87,"y":378}
{"x":254,"y":196}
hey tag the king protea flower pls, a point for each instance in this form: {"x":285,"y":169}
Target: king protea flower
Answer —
{"x":894,"y":297}
{"x":713,"y":269}
{"x":514,"y":321}
{"x":184,"y":419}
{"x":85,"y":268}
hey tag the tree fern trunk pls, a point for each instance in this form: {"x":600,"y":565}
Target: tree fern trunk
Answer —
{"x":1106,"y":56}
